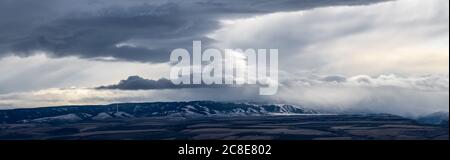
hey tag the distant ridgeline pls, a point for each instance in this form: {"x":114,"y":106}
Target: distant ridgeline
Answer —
{"x":137,"y":110}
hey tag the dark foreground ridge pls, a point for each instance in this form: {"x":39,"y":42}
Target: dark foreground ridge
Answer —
{"x":201,"y":120}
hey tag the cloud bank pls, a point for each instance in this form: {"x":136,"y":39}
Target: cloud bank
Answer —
{"x":144,"y":31}
{"x":340,"y":56}
{"x":406,"y":96}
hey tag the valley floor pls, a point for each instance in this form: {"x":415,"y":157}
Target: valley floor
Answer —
{"x":293,"y":127}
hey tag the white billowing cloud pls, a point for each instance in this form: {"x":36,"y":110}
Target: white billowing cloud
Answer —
{"x":439,"y":83}
{"x":397,"y":101}
{"x":406,"y":96}
{"x":406,"y":37}
{"x":40,"y":72}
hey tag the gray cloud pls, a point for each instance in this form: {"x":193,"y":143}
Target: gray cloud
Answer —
{"x":139,"y":83}
{"x":93,"y":29}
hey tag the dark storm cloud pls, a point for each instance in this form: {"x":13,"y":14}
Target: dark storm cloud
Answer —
{"x":139,"y":83}
{"x":103,"y":28}
{"x":333,"y":78}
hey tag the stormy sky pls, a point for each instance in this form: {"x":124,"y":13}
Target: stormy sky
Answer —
{"x":342,"y":55}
